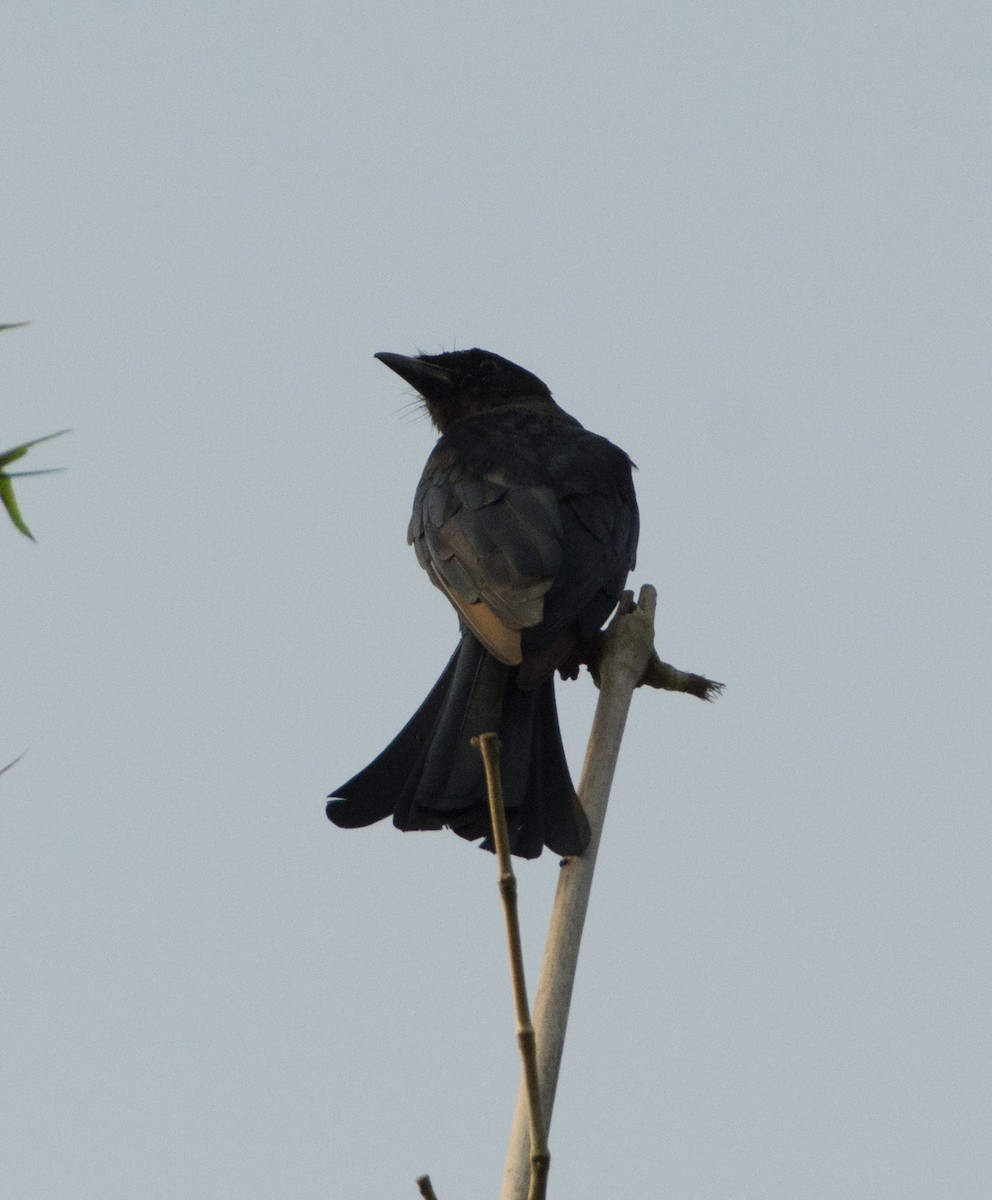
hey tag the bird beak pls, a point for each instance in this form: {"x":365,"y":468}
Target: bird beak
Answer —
{"x":427,"y":378}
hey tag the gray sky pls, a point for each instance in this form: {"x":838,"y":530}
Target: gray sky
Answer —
{"x":750,"y":245}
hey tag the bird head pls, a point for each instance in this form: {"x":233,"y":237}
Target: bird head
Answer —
{"x":463,"y":383}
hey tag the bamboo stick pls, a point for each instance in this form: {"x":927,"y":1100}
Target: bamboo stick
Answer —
{"x":628,"y":652}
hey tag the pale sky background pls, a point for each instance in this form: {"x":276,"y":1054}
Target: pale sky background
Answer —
{"x":750,"y":244}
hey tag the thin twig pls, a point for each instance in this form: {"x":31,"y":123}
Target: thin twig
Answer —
{"x":425,"y":1188}
{"x":658,"y":674}
{"x":13,"y":762}
{"x":540,"y":1159}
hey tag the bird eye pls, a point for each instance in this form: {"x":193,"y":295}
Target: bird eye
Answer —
{"x":488,"y":366}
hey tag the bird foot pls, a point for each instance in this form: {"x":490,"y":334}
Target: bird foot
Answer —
{"x":657,"y":674}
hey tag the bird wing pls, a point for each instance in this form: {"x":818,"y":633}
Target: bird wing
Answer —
{"x":494,"y":548}
{"x":529,"y":526}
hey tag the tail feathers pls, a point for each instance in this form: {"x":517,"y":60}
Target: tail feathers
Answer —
{"x":451,"y":776}
{"x":550,"y":813}
{"x":566,"y":827}
{"x":372,"y":794}
{"x":430,"y":775}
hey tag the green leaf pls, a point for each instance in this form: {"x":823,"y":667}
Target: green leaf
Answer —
{"x":12,"y":455}
{"x":10,"y":504}
{"x":16,"y":452}
{"x":7,"y":488}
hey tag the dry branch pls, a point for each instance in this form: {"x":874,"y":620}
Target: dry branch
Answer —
{"x":539,"y":1160}
{"x":628,"y":659}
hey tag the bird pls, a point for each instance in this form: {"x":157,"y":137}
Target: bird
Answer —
{"x":528,"y":523}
